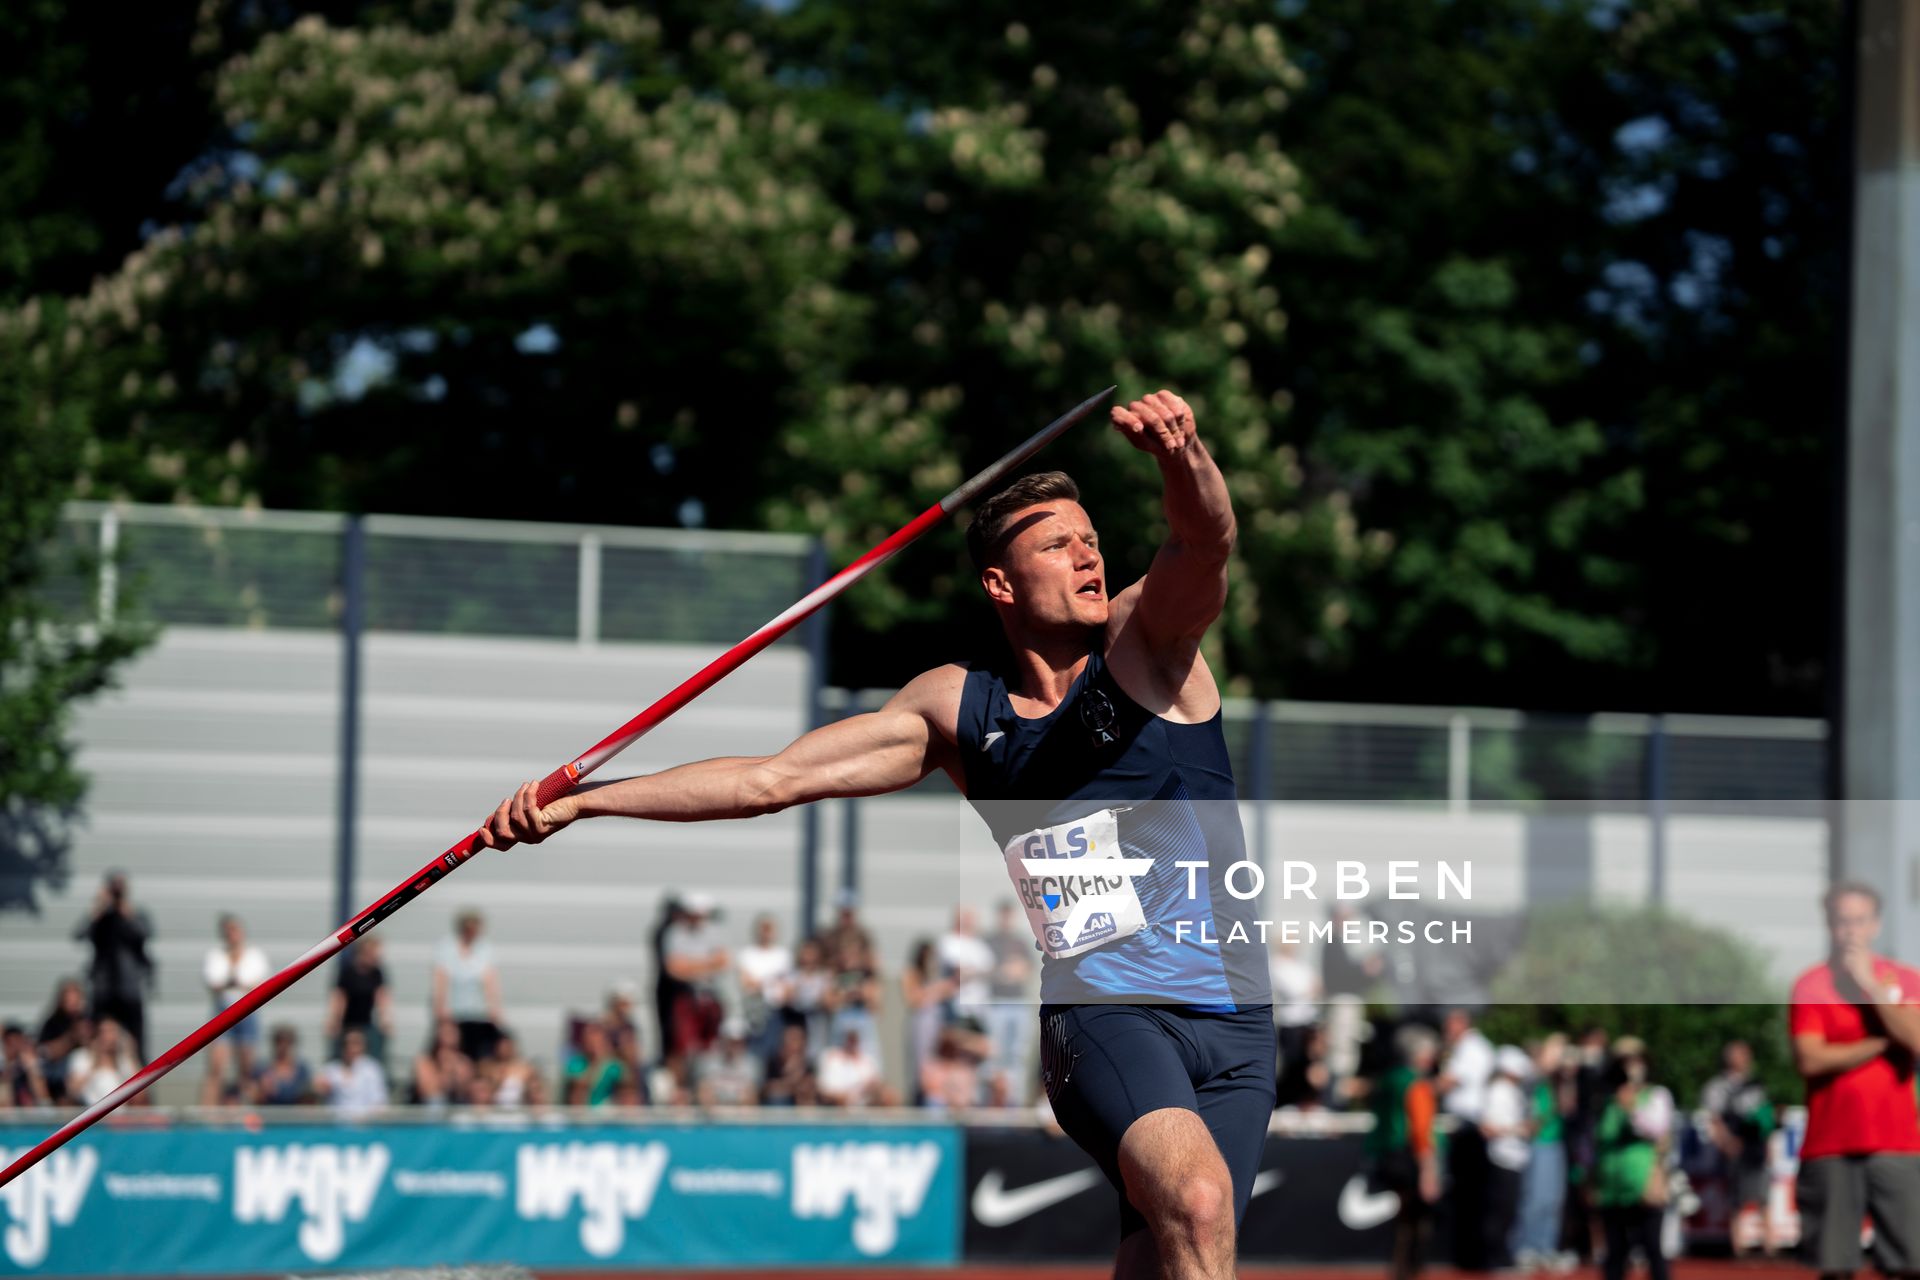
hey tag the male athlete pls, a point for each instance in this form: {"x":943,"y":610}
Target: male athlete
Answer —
{"x":1157,"y":1038}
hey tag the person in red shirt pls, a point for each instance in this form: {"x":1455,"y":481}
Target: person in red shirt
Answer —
{"x":1855,"y":1021}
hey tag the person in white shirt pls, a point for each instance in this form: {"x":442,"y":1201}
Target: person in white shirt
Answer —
{"x":1504,"y":1125}
{"x":763,"y":971}
{"x":1296,"y":990}
{"x":466,"y":986}
{"x":849,"y":1076}
{"x":1465,"y":1069}
{"x":968,"y":960}
{"x":353,"y":1084}
{"x":97,"y":1068}
{"x":232,"y":969}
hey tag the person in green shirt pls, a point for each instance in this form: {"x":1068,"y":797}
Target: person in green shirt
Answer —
{"x":595,"y":1075}
{"x":1543,"y":1195}
{"x":1631,"y":1140}
{"x":1402,"y":1148}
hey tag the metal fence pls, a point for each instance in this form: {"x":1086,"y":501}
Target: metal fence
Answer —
{"x":1459,"y":757}
{"x":227,"y":567}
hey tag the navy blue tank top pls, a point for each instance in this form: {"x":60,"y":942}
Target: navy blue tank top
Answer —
{"x":1173,"y":785}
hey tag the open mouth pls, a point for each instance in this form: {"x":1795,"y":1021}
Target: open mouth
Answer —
{"x":1091,"y":590}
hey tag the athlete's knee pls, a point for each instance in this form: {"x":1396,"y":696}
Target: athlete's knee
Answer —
{"x":1201,"y":1208}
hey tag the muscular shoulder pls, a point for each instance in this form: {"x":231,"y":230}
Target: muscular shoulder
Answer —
{"x":1168,"y":677}
{"x":934,"y":695}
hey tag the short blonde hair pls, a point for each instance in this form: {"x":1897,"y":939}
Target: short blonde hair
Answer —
{"x":991,"y":518}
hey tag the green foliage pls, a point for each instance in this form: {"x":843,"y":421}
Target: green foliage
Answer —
{"x":49,"y":657}
{"x":1565,"y":285}
{"x":1507,"y":318}
{"x":96,"y":118}
{"x":1684,"y":988}
{"x":1045,"y":202}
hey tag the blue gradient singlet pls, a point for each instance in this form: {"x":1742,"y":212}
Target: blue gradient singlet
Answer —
{"x":1100,"y":749}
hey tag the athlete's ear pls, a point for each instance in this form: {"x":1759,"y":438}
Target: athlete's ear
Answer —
{"x":999,"y":587}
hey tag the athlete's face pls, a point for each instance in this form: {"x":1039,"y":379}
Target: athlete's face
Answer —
{"x":1050,"y":567}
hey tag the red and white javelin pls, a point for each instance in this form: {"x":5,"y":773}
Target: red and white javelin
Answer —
{"x":552,"y":787}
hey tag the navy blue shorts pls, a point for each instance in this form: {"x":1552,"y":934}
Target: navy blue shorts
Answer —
{"x":1106,"y":1065}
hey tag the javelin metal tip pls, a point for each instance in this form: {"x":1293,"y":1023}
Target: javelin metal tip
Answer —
{"x":1032,"y":445}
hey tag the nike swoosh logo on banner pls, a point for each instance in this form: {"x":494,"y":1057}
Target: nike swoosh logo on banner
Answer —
{"x":1362,"y":1210}
{"x":1267,"y":1180}
{"x":995,"y":1206}
{"x":991,"y":738}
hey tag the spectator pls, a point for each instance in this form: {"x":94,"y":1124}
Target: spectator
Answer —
{"x":1349,"y":969}
{"x":67,"y":1026}
{"x":1855,"y":1021}
{"x":361,"y":1001}
{"x":97,"y":1068}
{"x":693,"y":956}
{"x":729,"y":1076}
{"x":1588,"y":1069}
{"x":466,"y":986}
{"x":507,"y":1079}
{"x":1011,"y":1014}
{"x":284,"y":1080}
{"x":231,"y":969}
{"x":670,"y":1082}
{"x":1536,"y":1236}
{"x":623,"y":1031}
{"x":1295,"y":989}
{"x":666,"y":990}
{"x":1505,"y":1124}
{"x":1466,"y":1068}
{"x":927,"y":993}
{"x":1305,"y":1084}
{"x":1400,"y":1146}
{"x":762,"y":971}
{"x":849,"y":1074}
{"x":1631,"y":1140}
{"x":120,"y":972}
{"x":24,"y":1081}
{"x":809,"y":989}
{"x":855,"y":997}
{"x":968,"y":960}
{"x":790,"y":1079}
{"x":846,"y":926}
{"x":951,"y":1078}
{"x":353,"y":1084}
{"x":443,"y":1074}
{"x":595,"y":1075}
{"x":1739,"y":1121}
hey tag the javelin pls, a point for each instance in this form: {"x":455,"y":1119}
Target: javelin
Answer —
{"x":552,"y":787}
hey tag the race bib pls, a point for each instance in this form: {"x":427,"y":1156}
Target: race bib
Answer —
{"x":1076,"y":887}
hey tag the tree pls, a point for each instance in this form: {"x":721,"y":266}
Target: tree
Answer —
{"x":1045,"y":202}
{"x":1565,"y":283}
{"x":474,"y":258}
{"x":1685,"y":988}
{"x":1464,"y":294}
{"x":51,"y":653}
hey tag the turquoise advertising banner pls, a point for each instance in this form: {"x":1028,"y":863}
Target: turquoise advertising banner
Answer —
{"x":201,"y":1202}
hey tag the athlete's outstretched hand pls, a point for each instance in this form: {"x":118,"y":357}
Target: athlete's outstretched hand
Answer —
{"x":1160,"y":424}
{"x":519,"y":820}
